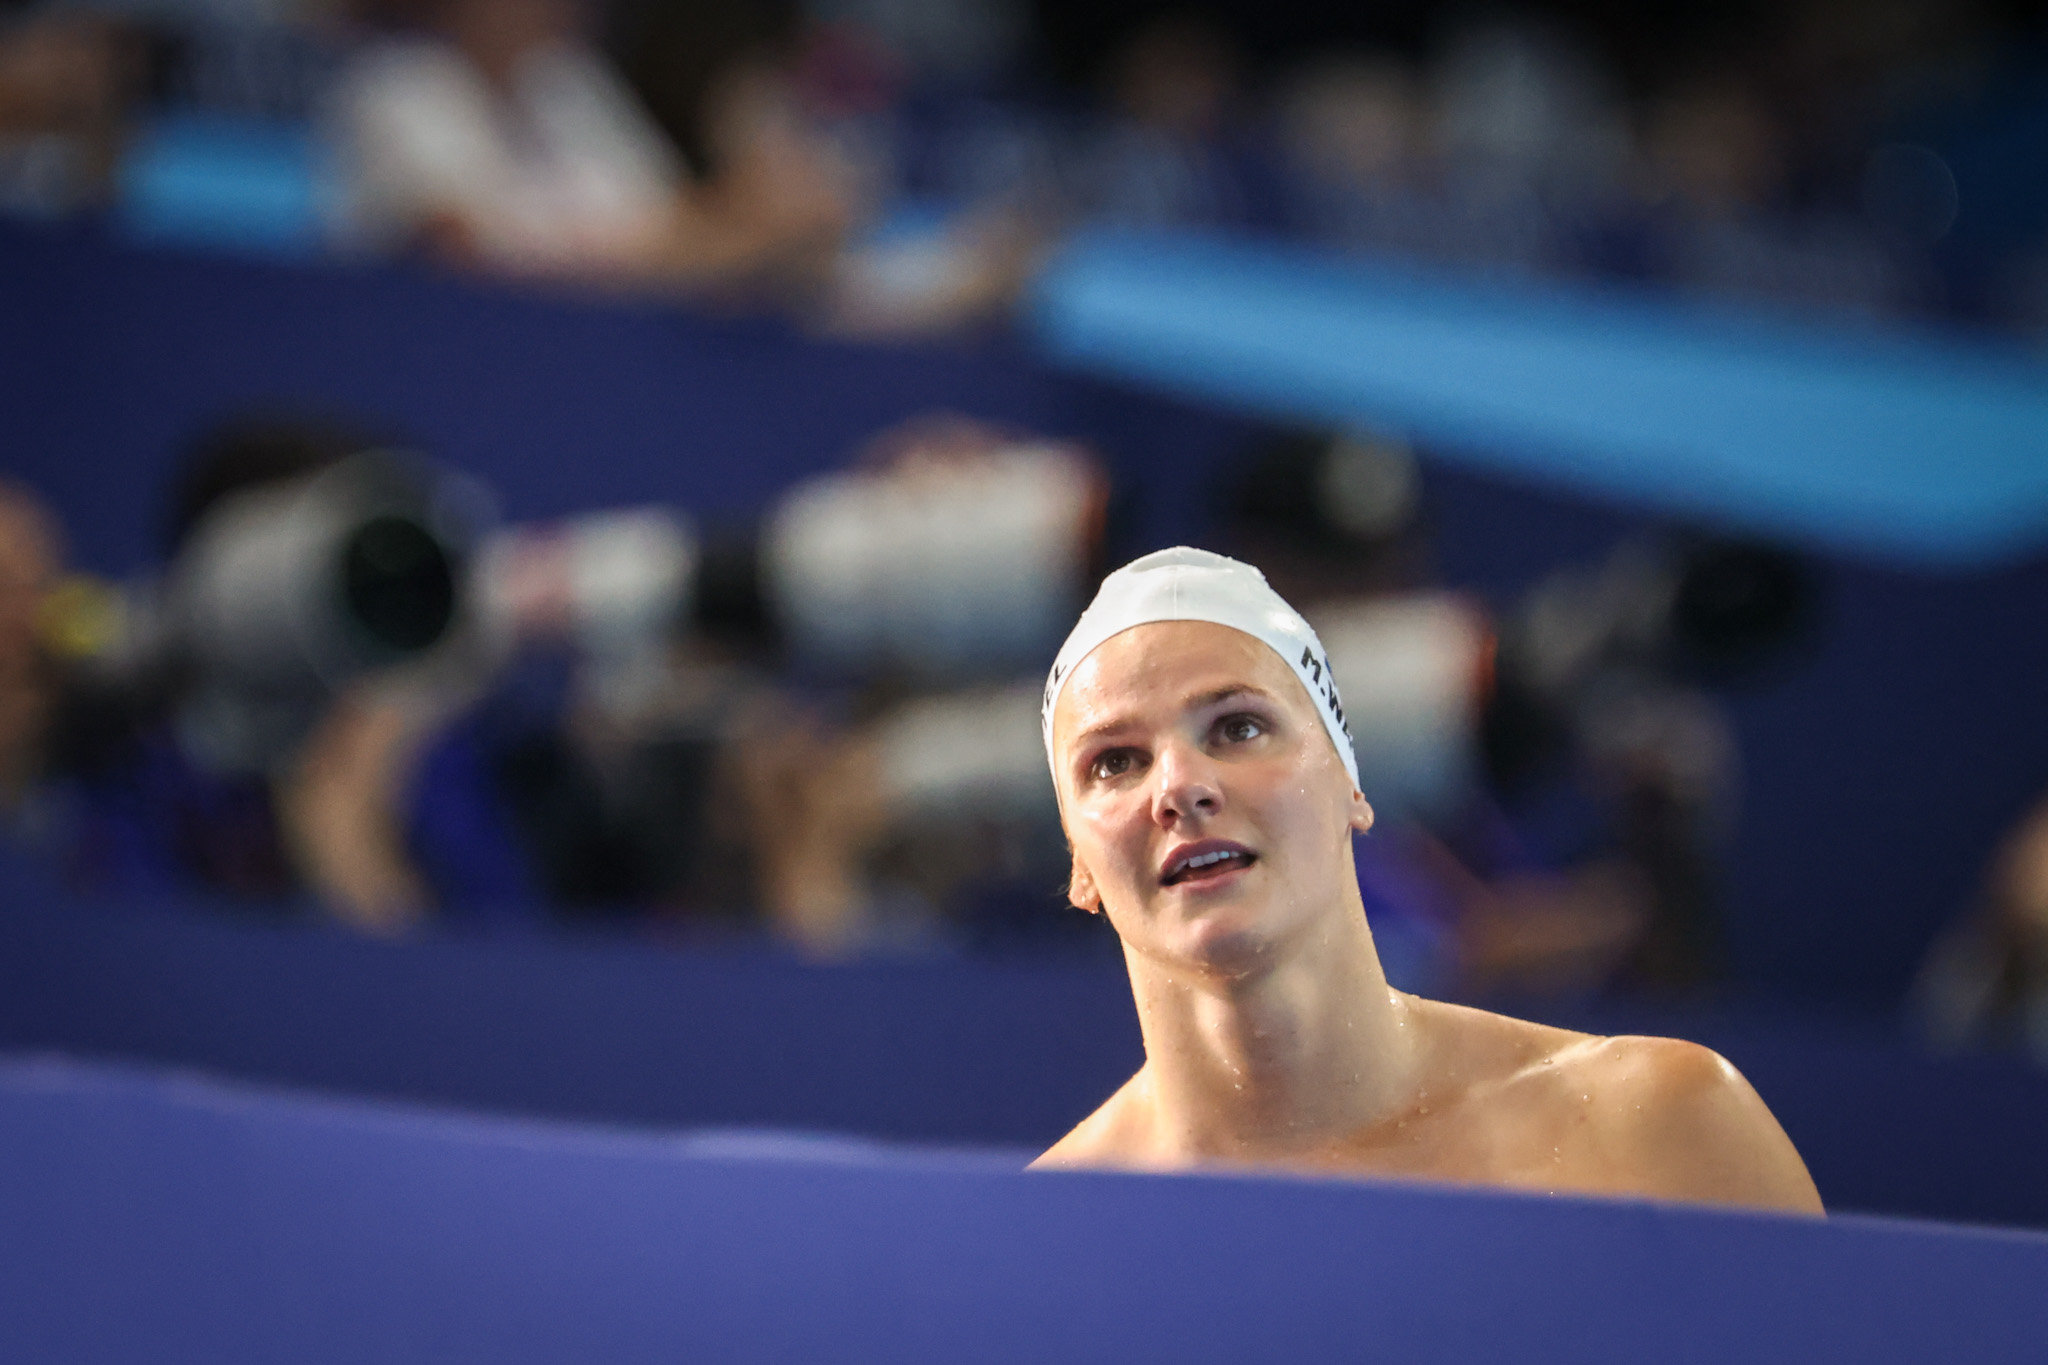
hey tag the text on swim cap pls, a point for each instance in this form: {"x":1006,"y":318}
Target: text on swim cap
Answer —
{"x":1324,"y":687}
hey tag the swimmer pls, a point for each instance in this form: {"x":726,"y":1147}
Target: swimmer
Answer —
{"x":1208,"y":787}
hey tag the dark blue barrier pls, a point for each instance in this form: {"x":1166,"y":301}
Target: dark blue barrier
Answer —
{"x":174,"y":1221}
{"x":1882,"y":765}
{"x":935,"y":1050}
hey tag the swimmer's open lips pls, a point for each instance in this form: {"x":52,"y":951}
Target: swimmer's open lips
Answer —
{"x":1206,"y":858}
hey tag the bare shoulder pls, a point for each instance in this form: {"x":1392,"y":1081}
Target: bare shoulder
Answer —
{"x":1111,"y":1136}
{"x":1490,"y":1047}
{"x":1686,"y":1123}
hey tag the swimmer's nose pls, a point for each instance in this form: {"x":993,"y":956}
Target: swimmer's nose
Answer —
{"x":1186,"y":785}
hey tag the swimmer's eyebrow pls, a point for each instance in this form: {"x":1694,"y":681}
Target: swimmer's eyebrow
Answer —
{"x":1223,"y":694}
{"x":1097,"y":731}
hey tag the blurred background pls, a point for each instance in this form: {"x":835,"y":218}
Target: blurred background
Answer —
{"x":532,"y":533}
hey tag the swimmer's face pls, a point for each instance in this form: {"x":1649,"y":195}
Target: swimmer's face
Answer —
{"x":1209,"y":813}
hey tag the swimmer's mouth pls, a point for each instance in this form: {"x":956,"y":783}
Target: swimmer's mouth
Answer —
{"x":1207,"y":859}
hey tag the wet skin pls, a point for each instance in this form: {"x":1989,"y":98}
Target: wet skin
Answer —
{"x":1271,"y":1036}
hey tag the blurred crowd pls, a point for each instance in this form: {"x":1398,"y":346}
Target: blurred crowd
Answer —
{"x":901,"y":165}
{"x":350,"y":693}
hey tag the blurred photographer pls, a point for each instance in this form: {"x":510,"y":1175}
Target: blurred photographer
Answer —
{"x":832,"y":694}
{"x":1986,"y":976}
{"x":346,"y":688}
{"x":1553,"y":778}
{"x":68,"y":80}
{"x":228,"y":734}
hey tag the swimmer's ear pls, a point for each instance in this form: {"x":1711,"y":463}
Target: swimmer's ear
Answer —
{"x":1081,"y":890}
{"x":1361,"y":812}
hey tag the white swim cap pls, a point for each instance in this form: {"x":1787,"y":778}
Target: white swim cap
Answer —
{"x":1184,"y":584}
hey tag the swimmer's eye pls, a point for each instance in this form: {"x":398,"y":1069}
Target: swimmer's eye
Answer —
{"x":1240,"y":728}
{"x":1112,"y":763}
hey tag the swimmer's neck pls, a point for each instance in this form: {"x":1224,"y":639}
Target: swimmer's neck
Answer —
{"x":1313,"y":1048}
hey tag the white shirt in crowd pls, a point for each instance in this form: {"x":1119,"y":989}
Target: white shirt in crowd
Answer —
{"x":562,"y":171}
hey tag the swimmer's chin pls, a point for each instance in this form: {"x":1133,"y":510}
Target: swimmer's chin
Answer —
{"x":1224,"y":942}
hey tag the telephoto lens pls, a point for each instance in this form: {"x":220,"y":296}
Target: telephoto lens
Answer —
{"x":288,"y":591}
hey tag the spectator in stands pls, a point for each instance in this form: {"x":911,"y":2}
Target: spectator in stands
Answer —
{"x":1987,"y":975}
{"x":1169,"y":152}
{"x":492,"y":133}
{"x":30,"y":551}
{"x":66,"y":81}
{"x":1718,"y":162}
{"x":1351,"y":133}
{"x":1523,"y":131}
{"x":757,"y":96}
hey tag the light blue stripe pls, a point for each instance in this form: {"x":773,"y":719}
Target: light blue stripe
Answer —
{"x":228,"y":182}
{"x":1911,"y":445}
